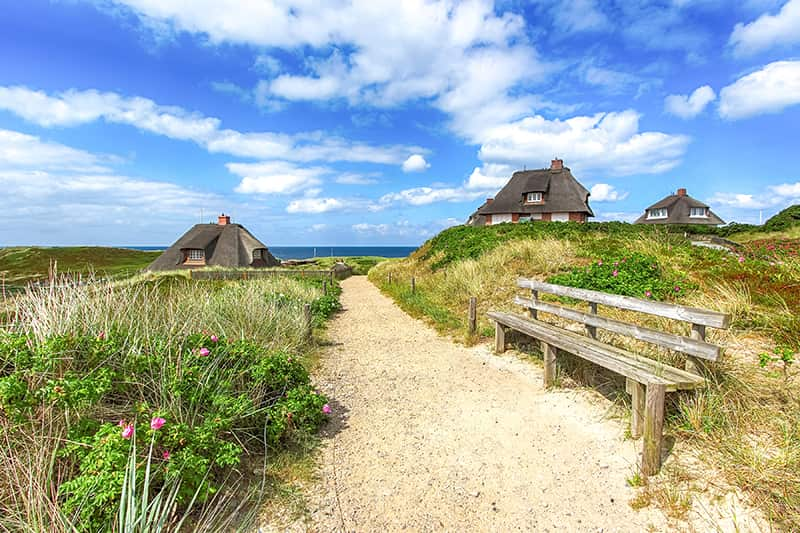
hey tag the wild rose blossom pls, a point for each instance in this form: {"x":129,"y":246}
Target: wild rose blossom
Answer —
{"x":127,"y":431}
{"x":677,"y":289}
{"x":156,"y":423}
{"x":648,"y":294}
{"x":165,"y":455}
{"x":214,"y":338}
{"x":204,"y":352}
{"x":101,"y":336}
{"x":326,"y":409}
{"x":600,"y":263}
{"x":615,"y":273}
{"x":741,"y":259}
{"x":122,"y":423}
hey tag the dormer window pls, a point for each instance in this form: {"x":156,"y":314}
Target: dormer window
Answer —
{"x":698,"y":212}
{"x":533,"y":198}
{"x":195,"y":256}
{"x":258,"y":254}
{"x":658,"y":212}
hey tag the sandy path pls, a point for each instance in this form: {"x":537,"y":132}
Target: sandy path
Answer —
{"x":429,"y":435}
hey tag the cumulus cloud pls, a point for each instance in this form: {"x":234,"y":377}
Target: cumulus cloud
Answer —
{"x":22,"y":151}
{"x":603,"y":192}
{"x":415,"y":163}
{"x":607,"y":142}
{"x":774,"y":195}
{"x":768,"y":31}
{"x":275,"y":177}
{"x":689,"y":106}
{"x":769,"y":90}
{"x":315,"y":205}
{"x":489,"y":177}
{"x":72,"y":108}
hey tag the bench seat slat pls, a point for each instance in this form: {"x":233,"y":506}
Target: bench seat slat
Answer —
{"x":686,"y":345}
{"x":694,"y":315}
{"x":638,"y":368}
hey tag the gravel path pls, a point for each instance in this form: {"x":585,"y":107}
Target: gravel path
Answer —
{"x":429,"y":435}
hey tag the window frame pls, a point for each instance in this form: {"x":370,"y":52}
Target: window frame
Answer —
{"x":651,"y":213}
{"x":537,"y":201}
{"x":194,"y":256}
{"x":704,"y":211}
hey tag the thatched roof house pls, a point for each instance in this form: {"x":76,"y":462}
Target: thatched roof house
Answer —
{"x":679,"y":208}
{"x":222,"y":244}
{"x":551,"y":194}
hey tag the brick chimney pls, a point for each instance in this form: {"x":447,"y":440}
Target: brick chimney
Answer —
{"x":681,"y":192}
{"x":557,"y":164}
{"x":224,"y":220}
{"x":489,"y":200}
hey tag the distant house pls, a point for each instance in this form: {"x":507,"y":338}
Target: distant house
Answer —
{"x":679,"y":208}
{"x":550,"y":194}
{"x":222,"y":244}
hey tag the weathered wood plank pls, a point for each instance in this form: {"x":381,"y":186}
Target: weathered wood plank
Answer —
{"x":637,"y":392}
{"x":473,"y":315}
{"x":499,"y":338}
{"x":677,"y":312}
{"x":630,"y":365}
{"x":693,"y":365}
{"x":592,"y":330}
{"x":678,"y":343}
{"x":549,"y":356}
{"x":308,"y":321}
{"x":535,"y":298}
{"x":653,"y":429}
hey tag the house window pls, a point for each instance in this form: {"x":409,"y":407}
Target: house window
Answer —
{"x":533,"y":198}
{"x":659,"y":212}
{"x":194,"y":256}
{"x":698,"y":212}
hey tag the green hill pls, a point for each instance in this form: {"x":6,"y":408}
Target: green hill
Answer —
{"x":20,"y":265}
{"x":788,"y":218}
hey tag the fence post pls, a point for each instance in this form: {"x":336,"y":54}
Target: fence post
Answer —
{"x":307,"y":321}
{"x":390,"y":278}
{"x":324,"y":287}
{"x":413,"y":285}
{"x":693,"y":364}
{"x":473,"y":315}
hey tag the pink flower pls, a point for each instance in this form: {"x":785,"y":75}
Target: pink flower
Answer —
{"x":677,"y":289}
{"x":156,"y":423}
{"x":615,"y":273}
{"x":165,"y":455}
{"x":127,"y":431}
{"x":616,"y":263}
{"x":101,"y":336}
{"x":600,"y":263}
{"x":326,"y":409}
{"x":648,"y":294}
{"x":741,"y":259}
{"x":122,"y":423}
{"x":214,"y":338}
{"x":204,"y":352}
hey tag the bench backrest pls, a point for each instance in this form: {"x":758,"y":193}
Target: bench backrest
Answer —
{"x":694,"y":345}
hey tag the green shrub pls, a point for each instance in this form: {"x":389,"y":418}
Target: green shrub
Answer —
{"x":634,"y":275}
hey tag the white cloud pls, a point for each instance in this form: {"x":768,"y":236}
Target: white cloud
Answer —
{"x":579,"y":16}
{"x":606,"y":142}
{"x":315,"y":205}
{"x":415,"y":163}
{"x":429,"y":195}
{"x":774,"y":195}
{"x":275,"y":177}
{"x":769,"y":90}
{"x":690,"y":106}
{"x":22,"y":151}
{"x":80,"y":107}
{"x":768,"y":31}
{"x":404,"y":228}
{"x":603,"y":192}
{"x":489,"y":177}
{"x":352,"y":178}
{"x":624,"y":216}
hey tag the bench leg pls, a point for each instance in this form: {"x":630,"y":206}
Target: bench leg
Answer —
{"x":637,"y":392}
{"x":549,"y":353}
{"x":653,"y":427}
{"x":499,"y":338}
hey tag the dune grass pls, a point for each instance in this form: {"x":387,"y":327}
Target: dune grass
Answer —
{"x":745,"y":425}
{"x":96,"y":354}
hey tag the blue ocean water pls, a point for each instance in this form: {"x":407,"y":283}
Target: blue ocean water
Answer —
{"x":305,"y":252}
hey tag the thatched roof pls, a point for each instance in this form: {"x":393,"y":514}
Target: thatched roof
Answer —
{"x":678,"y":208}
{"x":477,"y":219}
{"x":561,"y":193}
{"x":225,"y":244}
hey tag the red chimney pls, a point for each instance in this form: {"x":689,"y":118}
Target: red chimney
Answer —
{"x":681,"y":192}
{"x":557,"y":164}
{"x":489,"y":200}
{"x":224,"y":220}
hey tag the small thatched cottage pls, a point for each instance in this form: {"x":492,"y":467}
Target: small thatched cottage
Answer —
{"x":550,"y":194}
{"x":222,"y":244}
{"x":679,"y":208}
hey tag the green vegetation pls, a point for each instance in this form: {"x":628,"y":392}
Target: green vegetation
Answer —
{"x":745,"y":424}
{"x":188,"y":383}
{"x":21,"y":265}
{"x":361,"y":264}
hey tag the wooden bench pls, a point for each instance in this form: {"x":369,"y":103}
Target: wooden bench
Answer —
{"x":647,"y":380}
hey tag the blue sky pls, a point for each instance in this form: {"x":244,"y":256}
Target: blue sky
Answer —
{"x":383,"y":122}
